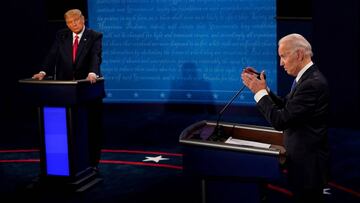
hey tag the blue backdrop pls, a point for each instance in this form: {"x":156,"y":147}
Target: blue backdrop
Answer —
{"x":188,"y":51}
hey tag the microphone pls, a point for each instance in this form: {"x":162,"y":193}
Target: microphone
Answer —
{"x":216,"y":135}
{"x":56,"y":61}
{"x":62,"y":38}
{"x":252,"y":71}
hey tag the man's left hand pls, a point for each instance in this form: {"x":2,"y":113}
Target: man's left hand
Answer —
{"x":92,"y":77}
{"x":252,"y":82}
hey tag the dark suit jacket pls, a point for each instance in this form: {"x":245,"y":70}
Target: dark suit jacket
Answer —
{"x":88,"y":57}
{"x":303,"y":116}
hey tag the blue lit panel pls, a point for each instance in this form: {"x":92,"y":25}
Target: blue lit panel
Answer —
{"x":56,"y":143}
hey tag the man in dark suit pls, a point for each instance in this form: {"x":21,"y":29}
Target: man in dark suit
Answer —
{"x":302,"y":115}
{"x":76,"y":54}
{"x":63,"y":62}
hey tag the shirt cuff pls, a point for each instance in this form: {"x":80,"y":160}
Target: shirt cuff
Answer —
{"x":92,"y":73}
{"x":260,"y":95}
{"x":42,"y":72}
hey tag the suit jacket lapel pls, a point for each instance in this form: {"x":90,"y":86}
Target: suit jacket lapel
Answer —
{"x":306,"y":74}
{"x":82,"y":44}
{"x":303,"y":77}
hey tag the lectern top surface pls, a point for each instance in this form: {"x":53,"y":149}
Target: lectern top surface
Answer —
{"x":63,"y":82}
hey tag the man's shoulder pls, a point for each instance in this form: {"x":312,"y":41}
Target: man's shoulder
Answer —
{"x":64,"y":30}
{"x":93,"y":32}
{"x":63,"y":33}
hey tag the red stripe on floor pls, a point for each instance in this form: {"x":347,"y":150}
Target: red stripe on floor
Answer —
{"x":139,"y":152}
{"x":140,"y":164}
{"x":18,"y":150}
{"x":19,"y":160}
{"x":279,"y":189}
{"x":339,"y":187}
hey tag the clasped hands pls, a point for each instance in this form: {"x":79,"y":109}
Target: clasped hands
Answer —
{"x":250,"y":79}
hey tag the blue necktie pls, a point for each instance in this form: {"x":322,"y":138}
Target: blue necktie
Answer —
{"x":293,"y":85}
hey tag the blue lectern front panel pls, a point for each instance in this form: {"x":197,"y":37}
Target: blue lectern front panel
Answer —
{"x":56,"y":141}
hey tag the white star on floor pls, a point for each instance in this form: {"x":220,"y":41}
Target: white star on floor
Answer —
{"x":326,"y":191}
{"x":155,"y":159}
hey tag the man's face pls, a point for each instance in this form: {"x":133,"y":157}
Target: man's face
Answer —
{"x":75,"y":23}
{"x":289,"y":59}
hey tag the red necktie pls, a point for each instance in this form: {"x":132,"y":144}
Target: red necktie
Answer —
{"x":75,"y":47}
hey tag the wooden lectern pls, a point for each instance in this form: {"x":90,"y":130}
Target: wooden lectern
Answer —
{"x":63,"y":122}
{"x":234,"y":163}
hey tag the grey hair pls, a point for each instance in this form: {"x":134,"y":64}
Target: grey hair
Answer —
{"x":297,"y":41}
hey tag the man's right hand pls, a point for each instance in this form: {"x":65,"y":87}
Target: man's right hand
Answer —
{"x":38,"y":76}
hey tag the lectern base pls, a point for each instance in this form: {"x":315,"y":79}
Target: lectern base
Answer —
{"x":63,"y":184}
{"x":87,"y":182}
{"x":231,"y":190}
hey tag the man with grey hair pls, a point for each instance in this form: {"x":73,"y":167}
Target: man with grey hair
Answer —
{"x":302,"y":115}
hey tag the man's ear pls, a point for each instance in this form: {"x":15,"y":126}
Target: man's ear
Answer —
{"x":300,"y":53}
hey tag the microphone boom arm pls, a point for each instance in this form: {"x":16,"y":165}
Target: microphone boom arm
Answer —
{"x":217,"y":131}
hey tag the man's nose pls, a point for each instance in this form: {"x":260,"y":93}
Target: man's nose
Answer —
{"x":281,"y":62}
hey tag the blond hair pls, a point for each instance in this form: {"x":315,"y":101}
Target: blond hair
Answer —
{"x":73,"y":12}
